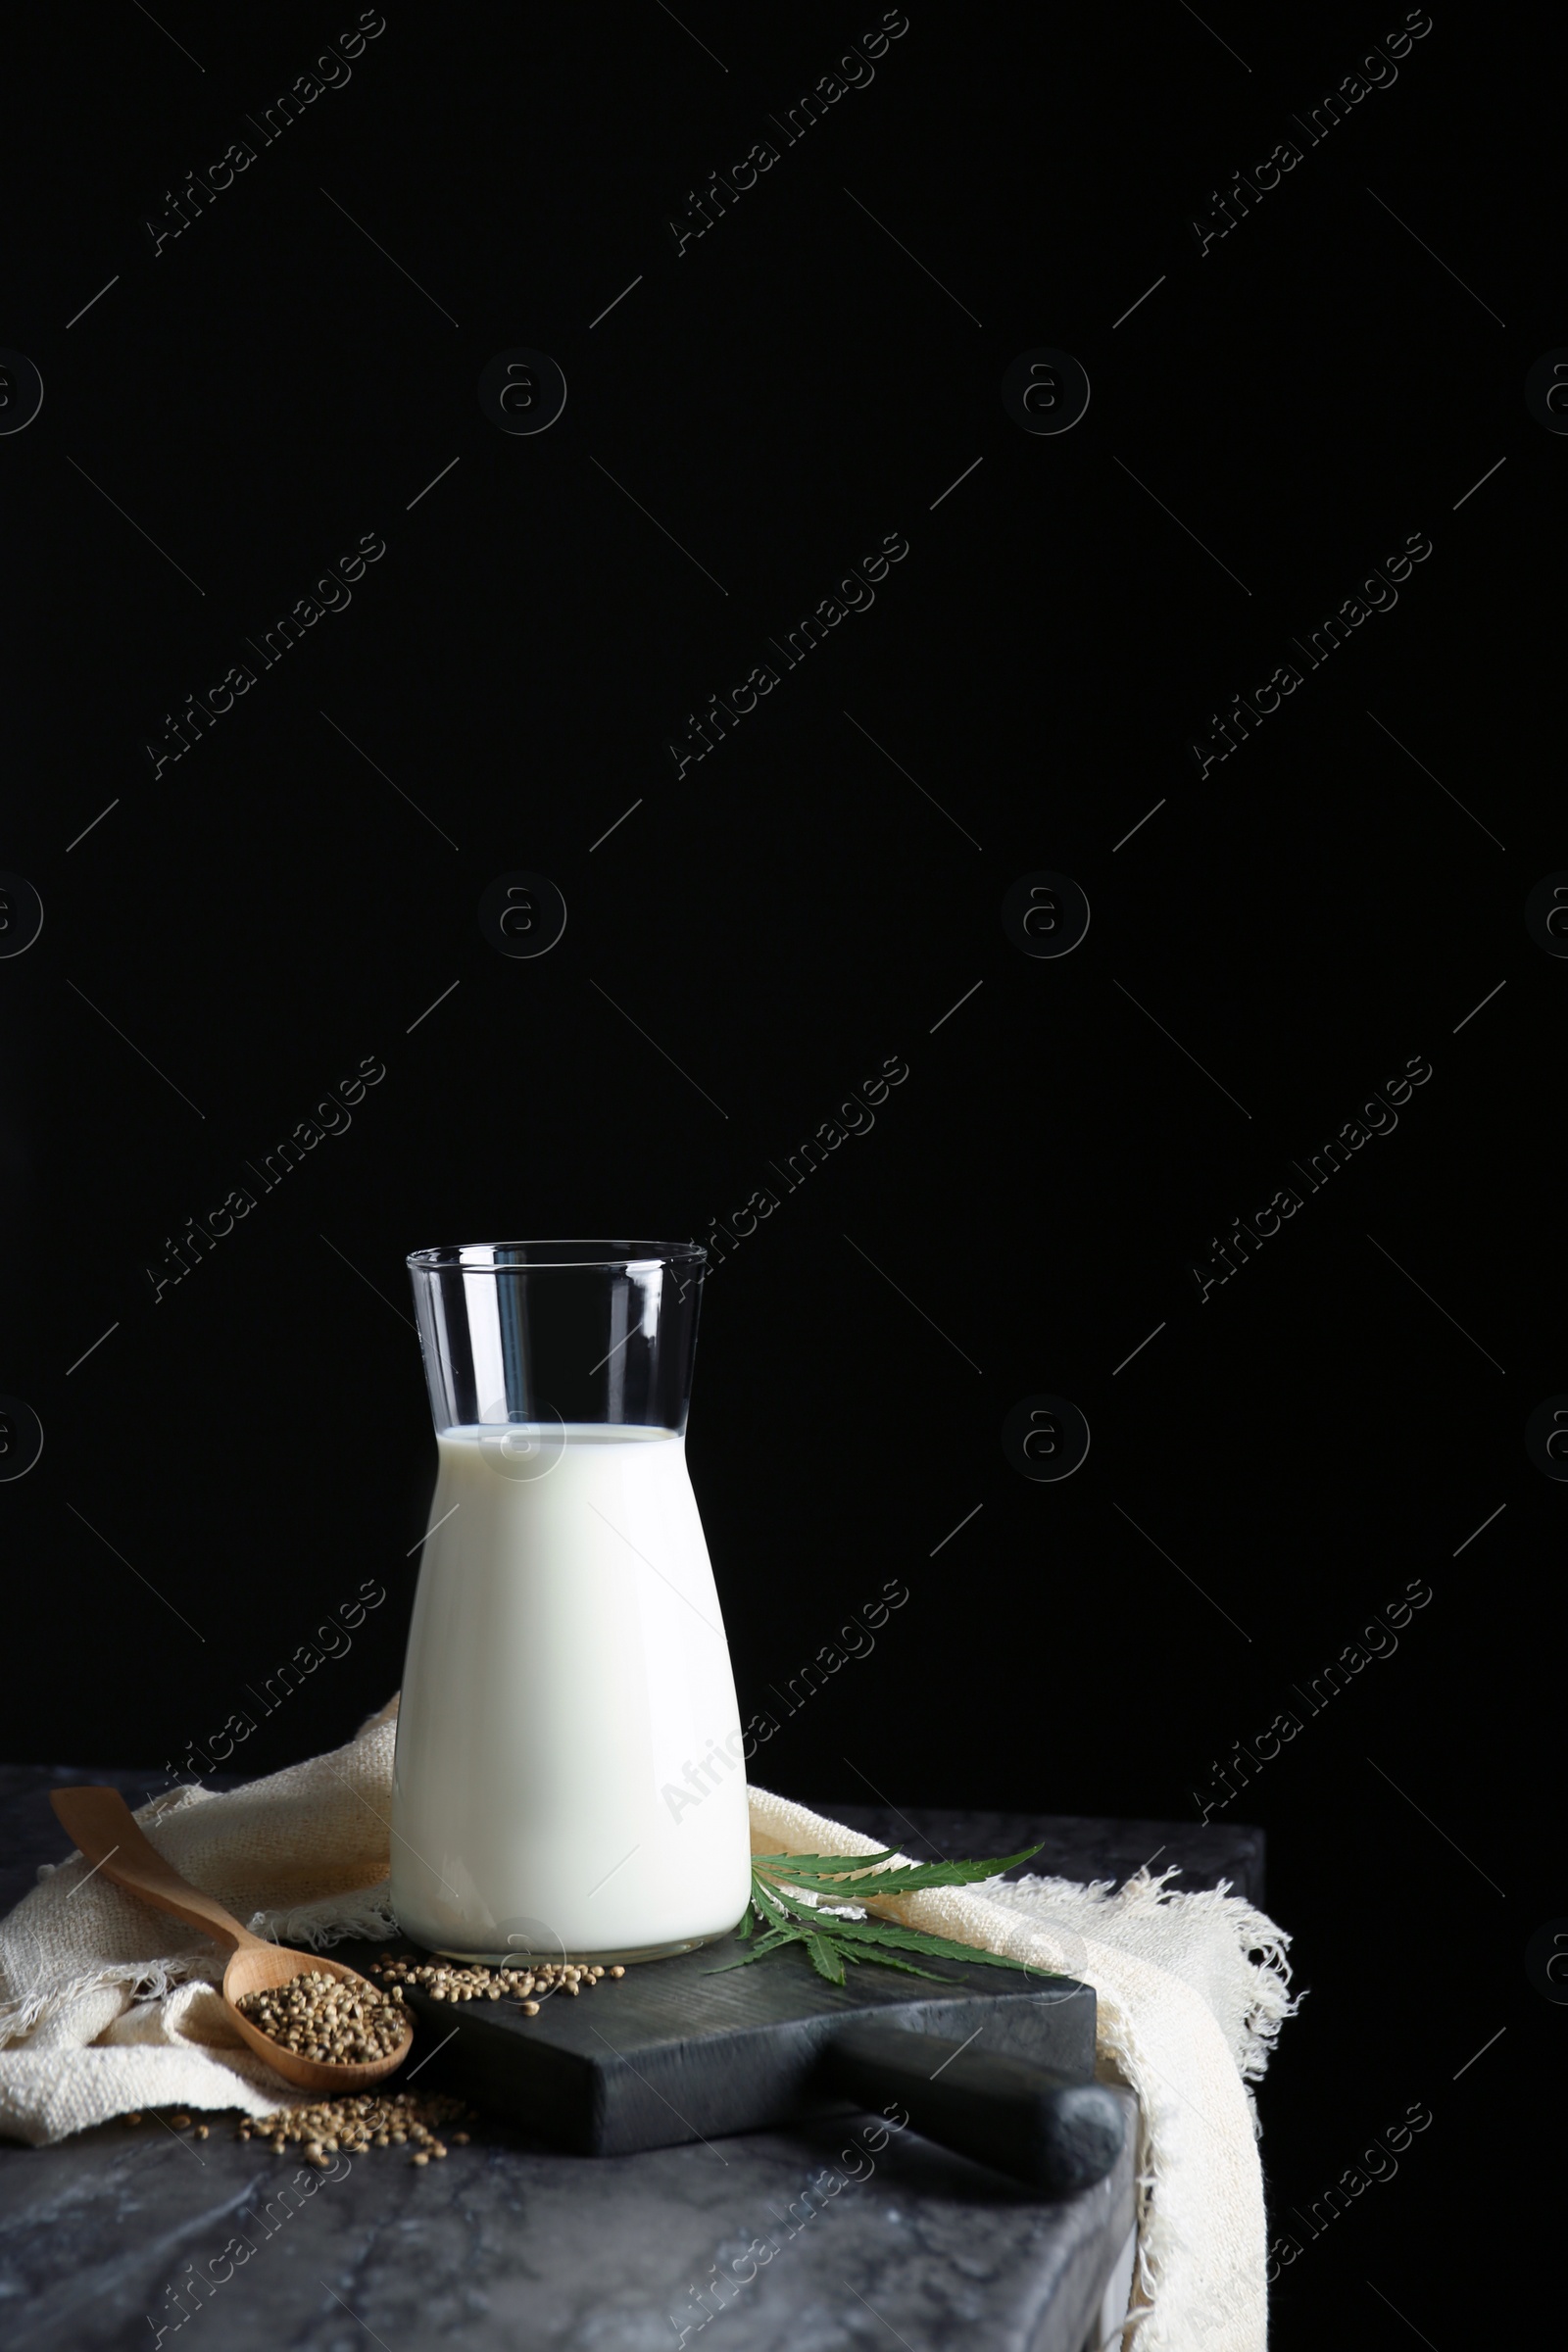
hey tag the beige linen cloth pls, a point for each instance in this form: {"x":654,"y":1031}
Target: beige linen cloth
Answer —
{"x":107,"y":2006}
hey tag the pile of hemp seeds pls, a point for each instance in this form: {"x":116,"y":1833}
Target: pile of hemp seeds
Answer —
{"x":414,"y":2120}
{"x":452,"y":1980}
{"x":327,"y":2017}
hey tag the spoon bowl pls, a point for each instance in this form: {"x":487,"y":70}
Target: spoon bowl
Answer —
{"x":258,"y":1967}
{"x":109,"y":1836}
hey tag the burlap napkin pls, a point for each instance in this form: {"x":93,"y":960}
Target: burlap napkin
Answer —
{"x":107,"y":2007}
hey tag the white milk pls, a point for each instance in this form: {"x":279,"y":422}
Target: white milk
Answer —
{"x":569,"y":1773}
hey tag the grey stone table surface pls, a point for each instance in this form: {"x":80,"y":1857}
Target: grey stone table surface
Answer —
{"x":506,"y":2247}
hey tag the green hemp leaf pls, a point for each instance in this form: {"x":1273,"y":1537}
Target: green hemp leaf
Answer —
{"x":778,"y":1881}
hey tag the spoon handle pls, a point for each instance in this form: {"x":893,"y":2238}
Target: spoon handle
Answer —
{"x":106,"y":1830}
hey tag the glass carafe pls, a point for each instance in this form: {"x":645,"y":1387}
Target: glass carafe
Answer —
{"x":569,"y":1778}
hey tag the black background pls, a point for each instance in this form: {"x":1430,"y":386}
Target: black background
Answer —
{"x":268,"y":911}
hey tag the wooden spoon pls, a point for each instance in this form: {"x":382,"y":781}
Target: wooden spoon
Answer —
{"x":108,"y":1836}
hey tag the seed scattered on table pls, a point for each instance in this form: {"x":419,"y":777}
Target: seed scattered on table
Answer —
{"x":352,"y":2126}
{"x":324,"y":2018}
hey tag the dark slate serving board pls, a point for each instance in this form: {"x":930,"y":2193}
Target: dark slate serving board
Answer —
{"x":692,"y":2048}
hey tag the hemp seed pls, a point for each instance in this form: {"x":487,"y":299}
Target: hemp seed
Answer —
{"x":319,"y":2016}
{"x":452,"y":1980}
{"x":354,"y":2126}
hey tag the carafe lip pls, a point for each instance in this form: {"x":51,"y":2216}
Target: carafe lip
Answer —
{"x":534,"y":1257}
